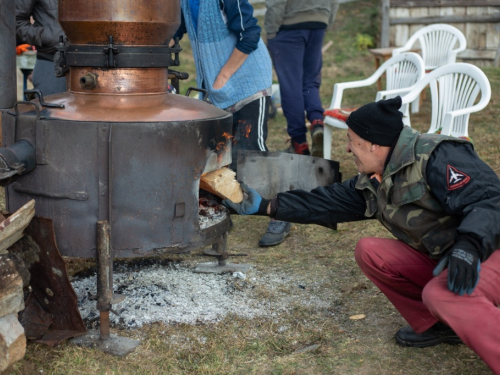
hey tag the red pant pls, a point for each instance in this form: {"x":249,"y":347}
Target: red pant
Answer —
{"x":404,"y":275}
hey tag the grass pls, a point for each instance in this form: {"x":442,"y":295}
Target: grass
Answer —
{"x":322,"y":258}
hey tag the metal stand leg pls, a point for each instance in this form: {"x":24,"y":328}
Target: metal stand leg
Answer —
{"x":219,"y":249}
{"x":105,"y":341}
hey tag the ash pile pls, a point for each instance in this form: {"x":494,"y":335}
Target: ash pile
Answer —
{"x":160,"y":290}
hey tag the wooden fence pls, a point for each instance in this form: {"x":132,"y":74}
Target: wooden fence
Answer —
{"x":479,"y":20}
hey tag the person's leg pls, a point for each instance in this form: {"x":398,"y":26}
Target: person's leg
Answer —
{"x":250,"y":127}
{"x":311,"y":81}
{"x":45,"y":80}
{"x":312,"y":64}
{"x":287,"y":52}
{"x":475,"y":318}
{"x":401,"y":273}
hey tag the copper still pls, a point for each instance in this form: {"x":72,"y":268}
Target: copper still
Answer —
{"x":116,"y":147}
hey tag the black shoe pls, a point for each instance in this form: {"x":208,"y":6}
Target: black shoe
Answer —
{"x":276,"y":233}
{"x":439,"y":333}
{"x":317,"y":138}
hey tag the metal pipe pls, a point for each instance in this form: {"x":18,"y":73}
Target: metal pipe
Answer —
{"x":8,"y":78}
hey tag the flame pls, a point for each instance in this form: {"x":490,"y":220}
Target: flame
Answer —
{"x":227,"y":135}
{"x":220,"y":146}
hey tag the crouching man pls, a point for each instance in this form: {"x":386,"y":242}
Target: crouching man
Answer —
{"x":442,"y":204}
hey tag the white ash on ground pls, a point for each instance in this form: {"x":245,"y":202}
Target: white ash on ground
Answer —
{"x":161,"y":291}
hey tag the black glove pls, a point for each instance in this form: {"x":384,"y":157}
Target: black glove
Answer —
{"x":250,"y":203}
{"x":463,"y":268}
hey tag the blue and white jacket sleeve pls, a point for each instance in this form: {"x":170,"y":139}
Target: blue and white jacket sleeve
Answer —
{"x":240,"y":21}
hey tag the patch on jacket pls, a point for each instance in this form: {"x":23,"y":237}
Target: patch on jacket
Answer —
{"x":456,"y":178}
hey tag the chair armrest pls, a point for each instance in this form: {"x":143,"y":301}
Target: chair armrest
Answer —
{"x":400,"y":50}
{"x":392,"y":93}
{"x":338,"y":88}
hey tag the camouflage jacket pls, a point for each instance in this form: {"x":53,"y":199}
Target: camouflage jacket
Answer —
{"x":403,"y":202}
{"x":434,"y":190}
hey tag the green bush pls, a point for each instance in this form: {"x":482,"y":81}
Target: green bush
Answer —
{"x":363,"y":41}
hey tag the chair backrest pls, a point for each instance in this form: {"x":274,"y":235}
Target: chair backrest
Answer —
{"x":402,"y":71}
{"x":439,"y":44}
{"x":454,"y":91}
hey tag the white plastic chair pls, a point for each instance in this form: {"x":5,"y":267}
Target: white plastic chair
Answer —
{"x":402,"y":72}
{"x":440,"y":43}
{"x":454,"y":90}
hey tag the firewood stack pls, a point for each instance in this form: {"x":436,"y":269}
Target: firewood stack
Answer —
{"x":13,"y":277}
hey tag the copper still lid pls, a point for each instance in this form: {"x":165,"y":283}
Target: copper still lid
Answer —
{"x":131,"y":22}
{"x":118,"y":47}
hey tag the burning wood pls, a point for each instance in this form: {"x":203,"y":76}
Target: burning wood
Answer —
{"x":223,"y":184}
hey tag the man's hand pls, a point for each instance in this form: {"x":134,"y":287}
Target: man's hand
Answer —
{"x":250,"y":203}
{"x":463,"y":269}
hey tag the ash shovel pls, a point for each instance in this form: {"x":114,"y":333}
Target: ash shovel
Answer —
{"x":270,"y":173}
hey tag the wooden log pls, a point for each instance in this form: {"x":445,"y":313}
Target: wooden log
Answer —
{"x":11,"y":229}
{"x":12,"y":341}
{"x":11,"y":287}
{"x":223,"y":184}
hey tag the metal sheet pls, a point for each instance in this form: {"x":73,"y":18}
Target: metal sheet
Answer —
{"x":270,"y":173}
{"x":52,"y":308}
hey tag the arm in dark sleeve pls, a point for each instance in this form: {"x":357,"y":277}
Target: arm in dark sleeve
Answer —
{"x":240,"y":21}
{"x":324,"y":206}
{"x":466,"y":186}
{"x":274,"y":16}
{"x":182,"y":28}
{"x":28,"y":33}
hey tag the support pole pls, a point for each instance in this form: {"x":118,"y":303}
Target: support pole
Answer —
{"x":105,"y":341}
{"x":104,"y":277}
{"x":384,"y":29}
{"x":221,"y":248}
{"x":8,"y":78}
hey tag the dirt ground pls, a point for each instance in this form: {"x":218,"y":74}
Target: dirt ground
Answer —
{"x":307,"y":339}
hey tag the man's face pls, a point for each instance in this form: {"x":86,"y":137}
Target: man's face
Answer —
{"x":366,"y":156}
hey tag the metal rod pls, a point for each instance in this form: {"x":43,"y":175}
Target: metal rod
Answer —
{"x":104,"y":325}
{"x":221,"y":247}
{"x":104,"y":277}
{"x":8,"y":77}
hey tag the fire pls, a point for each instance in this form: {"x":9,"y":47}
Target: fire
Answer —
{"x":227,"y":135}
{"x":220,"y":146}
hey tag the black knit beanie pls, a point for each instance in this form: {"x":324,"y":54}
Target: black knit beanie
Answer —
{"x":378,"y":122}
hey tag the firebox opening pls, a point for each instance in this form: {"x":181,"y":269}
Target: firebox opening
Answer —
{"x":211,"y":211}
